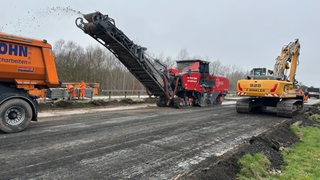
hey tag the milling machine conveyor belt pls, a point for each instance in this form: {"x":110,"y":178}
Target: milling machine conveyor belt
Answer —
{"x":148,"y":72}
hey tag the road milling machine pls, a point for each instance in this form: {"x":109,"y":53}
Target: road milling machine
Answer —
{"x":188,"y":84}
{"x":273,"y":88}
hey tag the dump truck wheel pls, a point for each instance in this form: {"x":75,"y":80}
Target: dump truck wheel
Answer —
{"x":15,"y":115}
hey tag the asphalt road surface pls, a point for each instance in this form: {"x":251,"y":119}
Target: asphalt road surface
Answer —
{"x":144,"y":143}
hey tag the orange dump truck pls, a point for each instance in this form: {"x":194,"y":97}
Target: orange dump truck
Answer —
{"x":27,"y":72}
{"x":26,"y":67}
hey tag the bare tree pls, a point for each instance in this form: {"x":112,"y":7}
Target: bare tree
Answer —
{"x":167,"y":61}
{"x":183,"y":54}
{"x":233,"y":73}
{"x":93,"y":64}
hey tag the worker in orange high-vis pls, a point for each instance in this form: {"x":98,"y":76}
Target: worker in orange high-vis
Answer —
{"x":71,"y":90}
{"x":305,"y":96}
{"x":82,"y":89}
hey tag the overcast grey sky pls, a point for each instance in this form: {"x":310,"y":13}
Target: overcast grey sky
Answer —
{"x":246,"y":33}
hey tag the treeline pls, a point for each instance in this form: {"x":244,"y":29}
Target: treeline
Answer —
{"x":96,"y":64}
{"x":92,"y":64}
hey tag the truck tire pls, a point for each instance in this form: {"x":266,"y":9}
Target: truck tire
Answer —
{"x":15,"y":115}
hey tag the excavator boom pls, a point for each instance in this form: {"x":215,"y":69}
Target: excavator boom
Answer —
{"x":288,"y":59}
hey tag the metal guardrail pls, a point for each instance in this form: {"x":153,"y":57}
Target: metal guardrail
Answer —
{"x":125,"y":93}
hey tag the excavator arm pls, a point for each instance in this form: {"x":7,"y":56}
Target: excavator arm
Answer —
{"x":288,"y":59}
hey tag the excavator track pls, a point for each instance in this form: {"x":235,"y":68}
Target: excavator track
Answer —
{"x":289,"y":107}
{"x":284,"y":108}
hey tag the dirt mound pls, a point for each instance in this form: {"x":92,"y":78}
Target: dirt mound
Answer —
{"x":127,"y":101}
{"x":270,"y":144}
{"x":100,"y":102}
{"x":150,"y":100}
{"x":63,"y":104}
{"x":313,"y":110}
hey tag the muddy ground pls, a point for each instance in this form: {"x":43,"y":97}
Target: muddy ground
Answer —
{"x":222,"y":167}
{"x":270,"y":144}
{"x":140,"y":143}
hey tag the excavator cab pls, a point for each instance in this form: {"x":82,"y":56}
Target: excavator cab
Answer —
{"x":261,"y":73}
{"x":258,"y":72}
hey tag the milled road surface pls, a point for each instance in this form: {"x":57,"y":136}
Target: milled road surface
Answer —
{"x":148,"y":143}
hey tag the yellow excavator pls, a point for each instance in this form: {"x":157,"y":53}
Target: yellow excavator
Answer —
{"x":273,"y":88}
